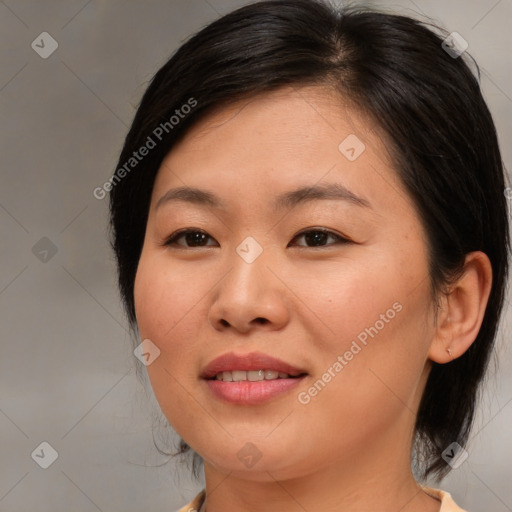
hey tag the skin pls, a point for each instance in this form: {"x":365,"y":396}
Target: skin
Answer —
{"x":348,"y":449}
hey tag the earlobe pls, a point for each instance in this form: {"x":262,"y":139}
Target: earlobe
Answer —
{"x":462,"y":310}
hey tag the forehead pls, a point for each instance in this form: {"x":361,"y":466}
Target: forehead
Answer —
{"x":280,"y":140}
{"x":287,"y":117}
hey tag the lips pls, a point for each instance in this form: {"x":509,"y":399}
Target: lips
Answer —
{"x":253,"y":361}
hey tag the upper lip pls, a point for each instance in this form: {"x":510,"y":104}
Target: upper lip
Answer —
{"x":252,"y":361}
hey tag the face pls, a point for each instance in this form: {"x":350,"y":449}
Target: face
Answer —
{"x":328,"y":286}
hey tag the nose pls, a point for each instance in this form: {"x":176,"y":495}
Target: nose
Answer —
{"x":249,"y":297}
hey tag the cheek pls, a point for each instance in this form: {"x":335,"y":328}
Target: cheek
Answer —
{"x":349,"y":297}
{"x":165,"y":300}
{"x":164,"y":296}
{"x":375,"y":320}
{"x":167,"y":305}
{"x":364,"y":387}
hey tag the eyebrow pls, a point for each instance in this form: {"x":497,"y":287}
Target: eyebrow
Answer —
{"x":323,"y":191}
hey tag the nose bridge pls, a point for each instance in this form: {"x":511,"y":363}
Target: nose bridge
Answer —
{"x":248,"y":277}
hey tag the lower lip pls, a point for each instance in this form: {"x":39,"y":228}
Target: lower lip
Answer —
{"x":249,"y":393}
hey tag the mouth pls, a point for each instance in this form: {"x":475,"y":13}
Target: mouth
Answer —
{"x":254,"y":366}
{"x":253,"y":375}
{"x":249,"y":379}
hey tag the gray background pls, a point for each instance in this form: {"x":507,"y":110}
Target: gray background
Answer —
{"x":66,"y":368}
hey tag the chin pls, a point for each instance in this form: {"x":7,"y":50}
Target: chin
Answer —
{"x":254,"y":462}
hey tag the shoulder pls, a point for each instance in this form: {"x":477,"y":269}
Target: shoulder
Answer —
{"x":447,"y":503}
{"x":195,"y":504}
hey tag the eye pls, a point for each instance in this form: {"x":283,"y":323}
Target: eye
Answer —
{"x":199,"y":238}
{"x":192,"y":237}
{"x":319,"y":238}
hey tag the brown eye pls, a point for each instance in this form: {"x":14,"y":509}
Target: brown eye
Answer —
{"x":319,"y":238}
{"x":192,"y":238}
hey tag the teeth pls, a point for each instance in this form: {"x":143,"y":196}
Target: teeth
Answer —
{"x":255,"y":375}
{"x":251,"y":376}
{"x":239,"y":375}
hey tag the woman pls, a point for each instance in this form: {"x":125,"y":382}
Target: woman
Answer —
{"x":312,"y":242}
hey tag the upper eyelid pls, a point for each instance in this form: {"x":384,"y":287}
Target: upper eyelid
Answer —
{"x":182,"y":232}
{"x":340,"y":237}
{"x":321,"y":230}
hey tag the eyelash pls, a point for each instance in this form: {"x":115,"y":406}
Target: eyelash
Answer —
{"x":171,"y":240}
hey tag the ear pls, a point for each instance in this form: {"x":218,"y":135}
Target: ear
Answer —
{"x":462,"y":309}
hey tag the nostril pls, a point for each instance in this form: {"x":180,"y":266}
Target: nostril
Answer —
{"x":261,"y":320}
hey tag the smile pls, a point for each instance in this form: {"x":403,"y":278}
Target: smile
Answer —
{"x":252,"y":376}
